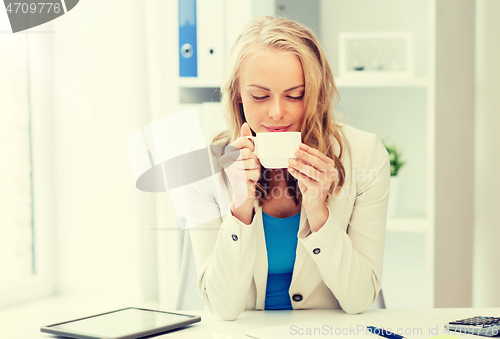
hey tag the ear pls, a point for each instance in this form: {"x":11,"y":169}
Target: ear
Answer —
{"x":239,"y":98}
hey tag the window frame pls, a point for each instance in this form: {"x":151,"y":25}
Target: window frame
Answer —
{"x":40,"y":95}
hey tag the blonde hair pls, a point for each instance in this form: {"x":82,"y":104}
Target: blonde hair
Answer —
{"x":320,"y":97}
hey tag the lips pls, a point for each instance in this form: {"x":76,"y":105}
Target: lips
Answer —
{"x":277,"y":128}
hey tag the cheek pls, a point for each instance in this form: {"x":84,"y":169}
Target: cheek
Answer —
{"x":298,"y":111}
{"x":253,"y":110}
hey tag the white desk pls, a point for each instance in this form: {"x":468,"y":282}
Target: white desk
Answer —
{"x":48,"y":312}
{"x":211,"y":327}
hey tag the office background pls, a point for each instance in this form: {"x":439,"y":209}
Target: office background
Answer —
{"x":86,"y":81}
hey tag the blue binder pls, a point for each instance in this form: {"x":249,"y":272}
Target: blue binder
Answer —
{"x":188,"y":54}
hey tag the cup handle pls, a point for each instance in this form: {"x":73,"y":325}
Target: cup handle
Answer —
{"x":254,"y":140}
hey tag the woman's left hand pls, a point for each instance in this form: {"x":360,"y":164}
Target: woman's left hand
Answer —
{"x":315,"y":173}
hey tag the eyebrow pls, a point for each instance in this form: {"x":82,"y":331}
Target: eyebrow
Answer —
{"x":266,"y":89}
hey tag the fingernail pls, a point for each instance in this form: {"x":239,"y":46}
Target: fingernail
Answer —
{"x":303,"y":146}
{"x":293,"y":162}
{"x":299,"y":152}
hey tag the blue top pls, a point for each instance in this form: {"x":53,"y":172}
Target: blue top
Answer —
{"x":281,"y":243}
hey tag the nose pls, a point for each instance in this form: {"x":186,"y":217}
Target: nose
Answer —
{"x":277,"y":110}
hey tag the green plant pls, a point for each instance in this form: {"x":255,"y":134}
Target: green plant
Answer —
{"x":395,"y":158}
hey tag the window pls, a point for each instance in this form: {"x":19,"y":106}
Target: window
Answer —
{"x":23,"y":263}
{"x":16,"y":219}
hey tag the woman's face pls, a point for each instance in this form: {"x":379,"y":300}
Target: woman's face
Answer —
{"x":272,"y":91}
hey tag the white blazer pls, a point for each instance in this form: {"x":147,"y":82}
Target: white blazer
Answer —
{"x":339,"y":266}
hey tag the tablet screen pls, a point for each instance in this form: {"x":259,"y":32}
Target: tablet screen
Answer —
{"x":121,"y":323}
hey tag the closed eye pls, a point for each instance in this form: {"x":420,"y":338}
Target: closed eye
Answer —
{"x":296,"y":98}
{"x":259,"y":98}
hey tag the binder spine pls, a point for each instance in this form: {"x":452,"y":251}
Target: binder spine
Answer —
{"x":188,"y":54}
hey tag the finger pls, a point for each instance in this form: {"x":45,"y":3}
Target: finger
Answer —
{"x":327,"y":176}
{"x":313,"y":160}
{"x":301,"y":178}
{"x":305,"y":183}
{"x":243,"y":165}
{"x":305,"y":169}
{"x":245,"y":130}
{"x":253,"y":175}
{"x":308,"y":187}
{"x":248,"y":154}
{"x":241,"y":154}
{"x":233,"y":155}
{"x":315,"y":152}
{"x":250,"y":164}
{"x":239,"y":177}
{"x":295,"y":174}
{"x":240,"y":143}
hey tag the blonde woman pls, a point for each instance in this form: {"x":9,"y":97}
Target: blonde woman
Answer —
{"x":310,"y":236}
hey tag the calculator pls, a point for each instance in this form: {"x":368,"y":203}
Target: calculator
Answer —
{"x":485,"y":326}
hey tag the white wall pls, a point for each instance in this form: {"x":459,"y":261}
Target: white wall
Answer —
{"x":100,"y":101}
{"x":487,"y":160}
{"x":399,"y":116}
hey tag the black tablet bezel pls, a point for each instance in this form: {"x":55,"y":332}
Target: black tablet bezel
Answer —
{"x":190,"y":320}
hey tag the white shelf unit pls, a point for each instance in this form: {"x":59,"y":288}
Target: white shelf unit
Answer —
{"x":195,"y":83}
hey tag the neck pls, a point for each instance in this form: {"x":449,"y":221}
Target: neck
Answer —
{"x":277,"y":176}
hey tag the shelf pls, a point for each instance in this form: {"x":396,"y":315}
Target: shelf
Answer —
{"x":407,"y":225}
{"x":193,"y":82}
{"x":380,"y":82}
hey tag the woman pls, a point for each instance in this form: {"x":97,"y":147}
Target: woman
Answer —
{"x":320,"y":245}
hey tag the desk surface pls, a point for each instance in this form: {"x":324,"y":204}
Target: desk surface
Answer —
{"x":25,"y":321}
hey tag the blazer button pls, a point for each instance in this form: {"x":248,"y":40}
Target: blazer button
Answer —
{"x":297,"y":297}
{"x":316,"y":251}
{"x":235,"y":237}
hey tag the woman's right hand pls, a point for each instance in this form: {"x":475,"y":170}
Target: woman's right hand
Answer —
{"x":243,"y":171}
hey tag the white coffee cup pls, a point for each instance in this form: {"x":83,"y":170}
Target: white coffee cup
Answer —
{"x":274,"y":149}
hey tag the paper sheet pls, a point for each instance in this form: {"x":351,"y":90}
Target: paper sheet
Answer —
{"x":307,"y":329}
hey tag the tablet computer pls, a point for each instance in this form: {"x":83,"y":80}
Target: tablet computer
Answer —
{"x":126,"y":323}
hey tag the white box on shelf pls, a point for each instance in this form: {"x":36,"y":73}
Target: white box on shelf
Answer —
{"x":375,"y":55}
